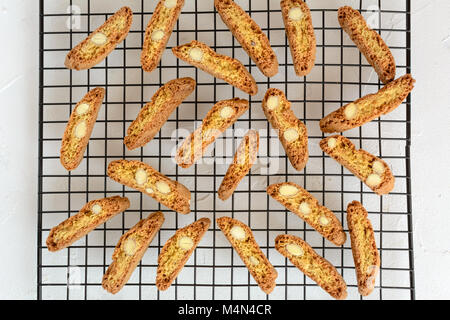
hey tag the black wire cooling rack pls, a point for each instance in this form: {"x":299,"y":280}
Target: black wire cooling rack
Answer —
{"x":215,"y":271}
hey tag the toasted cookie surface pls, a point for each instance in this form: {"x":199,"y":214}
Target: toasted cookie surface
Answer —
{"x":221,"y":116}
{"x":369,"y":107}
{"x":303,"y":204}
{"x":244,"y":159}
{"x":249,"y":35}
{"x":220,"y":66}
{"x":79,"y":128}
{"x":177,"y":251}
{"x":300,"y":32}
{"x":129,"y":251}
{"x":155,"y":113}
{"x":369,"y":42}
{"x":312,"y":265}
{"x":291,"y":131}
{"x":144,"y":178}
{"x":373,"y":171}
{"x":158,"y":32}
{"x":364,"y":247}
{"x":101,"y":42}
{"x":93,"y":214}
{"x":243,"y":241}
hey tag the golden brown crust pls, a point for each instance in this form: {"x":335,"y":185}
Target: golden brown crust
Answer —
{"x":302,"y":39}
{"x":359,"y":162}
{"x":163,"y":19}
{"x":369,"y":107}
{"x":369,"y":42}
{"x":173,"y":258}
{"x":79,"y":225}
{"x":155,"y":113}
{"x":244,"y":159}
{"x":364,"y":247}
{"x":175,"y":196}
{"x":248,"y":249}
{"x":87,"y":54}
{"x":220,"y":66}
{"x":213,"y":125}
{"x":126,"y":258}
{"x":249,"y":35}
{"x":282,"y":118}
{"x":314,"y":266}
{"x":320,"y":218}
{"x":72,"y":148}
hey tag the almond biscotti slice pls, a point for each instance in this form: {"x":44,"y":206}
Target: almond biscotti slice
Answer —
{"x":291,"y":131}
{"x":101,"y":42}
{"x":369,"y":107}
{"x":244,"y":158}
{"x":364,"y":247}
{"x":220,"y":66}
{"x":373,"y":171}
{"x":177,"y":250}
{"x":300,"y":32}
{"x":243,"y":241}
{"x":219,"y":118}
{"x":129,"y":251}
{"x":312,"y":265}
{"x":155,"y":113}
{"x":303,"y":204}
{"x":249,"y":35}
{"x":369,"y":42}
{"x":79,"y":128}
{"x":144,"y":178}
{"x":158,"y":32}
{"x":93,"y":214}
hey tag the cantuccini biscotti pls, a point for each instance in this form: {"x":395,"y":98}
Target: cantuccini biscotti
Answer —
{"x":303,"y":204}
{"x":101,"y":42}
{"x":144,"y":178}
{"x":79,"y":128}
{"x":222,"y":115}
{"x":369,"y":42}
{"x":364,"y":247}
{"x":177,"y":250}
{"x":243,"y":241}
{"x":369,"y":107}
{"x":93,"y":214}
{"x":158,"y":32}
{"x":312,"y":265}
{"x":373,"y":171}
{"x":220,"y":66}
{"x":249,"y":35}
{"x":244,"y":159}
{"x":129,"y":251}
{"x":155,"y":113}
{"x":291,"y":131}
{"x":300,"y":32}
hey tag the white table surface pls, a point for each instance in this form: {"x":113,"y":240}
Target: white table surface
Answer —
{"x":19,"y":81}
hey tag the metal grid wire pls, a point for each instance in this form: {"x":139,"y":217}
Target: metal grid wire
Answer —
{"x":215,"y":271}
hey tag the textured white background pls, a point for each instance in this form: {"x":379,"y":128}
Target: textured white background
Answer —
{"x":19,"y":131}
